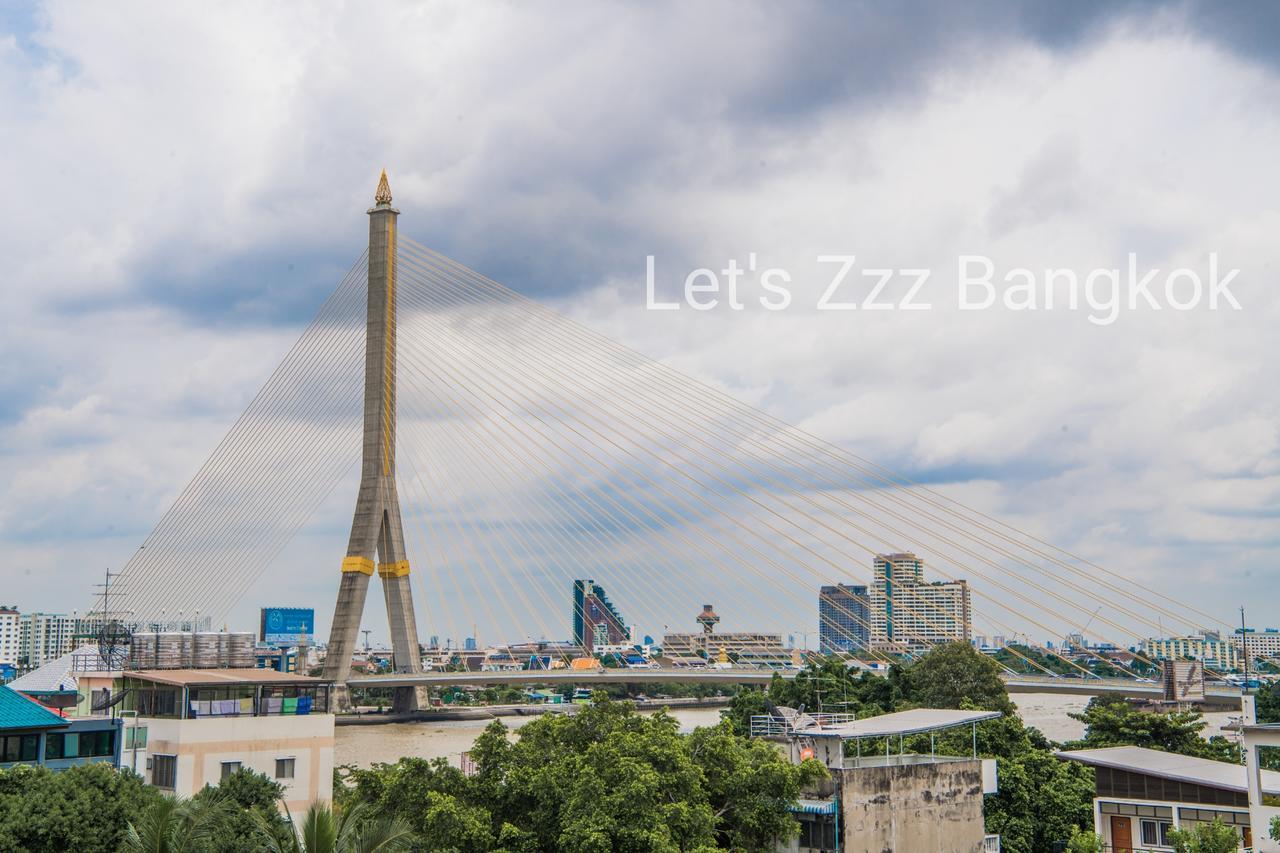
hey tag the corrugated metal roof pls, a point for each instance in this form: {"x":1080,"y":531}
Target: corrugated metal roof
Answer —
{"x":61,"y":673}
{"x":19,"y":712}
{"x":1171,"y":765}
{"x":807,"y":806}
{"x":910,"y":722}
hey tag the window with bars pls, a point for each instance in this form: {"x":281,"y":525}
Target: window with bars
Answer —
{"x":164,"y":771}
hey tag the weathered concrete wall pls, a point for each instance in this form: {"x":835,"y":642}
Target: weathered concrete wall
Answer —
{"x":922,"y":807}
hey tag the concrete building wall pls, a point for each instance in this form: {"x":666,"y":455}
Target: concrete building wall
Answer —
{"x":933,"y":807}
{"x":202,"y":745}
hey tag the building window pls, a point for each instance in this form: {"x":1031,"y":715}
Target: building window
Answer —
{"x":229,"y":767}
{"x":97,"y":744}
{"x":135,"y":737}
{"x":284,"y":768}
{"x":164,"y":771}
{"x":19,"y":748}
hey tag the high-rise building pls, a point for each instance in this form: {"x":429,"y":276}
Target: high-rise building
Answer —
{"x":844,"y":619}
{"x":10,"y":631}
{"x":910,"y":614}
{"x":45,"y":636}
{"x":596,"y":622}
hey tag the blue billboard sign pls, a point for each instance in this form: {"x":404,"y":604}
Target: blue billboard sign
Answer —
{"x":283,"y":625}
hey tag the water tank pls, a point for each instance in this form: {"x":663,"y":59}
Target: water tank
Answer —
{"x":240,"y":647}
{"x":205,"y":651}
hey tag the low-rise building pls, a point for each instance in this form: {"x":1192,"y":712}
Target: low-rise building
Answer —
{"x":748,"y":648}
{"x":194,"y":727}
{"x":32,"y":734}
{"x":79,"y":683}
{"x":1264,"y":805}
{"x":890,"y":800}
{"x":1141,"y":794}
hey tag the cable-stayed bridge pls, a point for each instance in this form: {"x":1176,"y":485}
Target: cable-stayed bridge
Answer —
{"x":506,"y":451}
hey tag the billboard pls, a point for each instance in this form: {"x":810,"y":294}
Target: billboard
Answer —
{"x":281,"y":626}
{"x":1183,"y":681}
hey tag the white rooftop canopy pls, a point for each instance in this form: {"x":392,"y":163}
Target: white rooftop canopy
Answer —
{"x":915,"y":721}
{"x":1171,"y":765}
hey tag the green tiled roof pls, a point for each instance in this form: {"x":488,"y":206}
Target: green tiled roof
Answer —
{"x":19,"y":712}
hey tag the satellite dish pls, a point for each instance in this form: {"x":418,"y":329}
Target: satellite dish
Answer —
{"x":114,"y":639}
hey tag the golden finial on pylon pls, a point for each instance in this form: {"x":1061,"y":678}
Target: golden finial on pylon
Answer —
{"x":383,"y":195}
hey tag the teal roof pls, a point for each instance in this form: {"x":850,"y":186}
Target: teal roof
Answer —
{"x":19,"y":712}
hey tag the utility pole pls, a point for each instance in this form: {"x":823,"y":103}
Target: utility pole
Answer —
{"x":1244,"y":648}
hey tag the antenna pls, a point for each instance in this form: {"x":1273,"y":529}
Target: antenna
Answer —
{"x":114,"y":637}
{"x":1244,"y":648}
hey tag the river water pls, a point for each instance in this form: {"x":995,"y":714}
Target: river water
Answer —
{"x":366,"y":745}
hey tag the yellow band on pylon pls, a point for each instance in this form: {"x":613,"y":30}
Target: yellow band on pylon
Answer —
{"x":393,"y":570}
{"x":363,"y":565}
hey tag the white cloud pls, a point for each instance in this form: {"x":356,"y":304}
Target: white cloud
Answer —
{"x":147,"y":147}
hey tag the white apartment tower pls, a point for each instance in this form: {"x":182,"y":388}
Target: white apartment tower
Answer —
{"x":10,"y":633}
{"x":45,"y":636}
{"x":910,"y":614}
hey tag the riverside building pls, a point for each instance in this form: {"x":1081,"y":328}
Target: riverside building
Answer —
{"x":910,"y":614}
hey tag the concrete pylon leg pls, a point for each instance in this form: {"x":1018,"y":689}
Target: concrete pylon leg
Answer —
{"x":352,"y":591}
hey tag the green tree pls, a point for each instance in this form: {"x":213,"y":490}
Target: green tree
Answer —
{"x":742,"y":707}
{"x":252,"y":798}
{"x":956,"y":673}
{"x":1041,"y":800}
{"x":1267,"y":703}
{"x":328,"y":830}
{"x":1214,"y":837}
{"x":1084,"y":842}
{"x":86,"y":809}
{"x":174,"y":825}
{"x":1110,"y":721}
{"x":430,"y":796}
{"x":829,"y":685}
{"x":750,"y":787}
{"x":603,"y":779}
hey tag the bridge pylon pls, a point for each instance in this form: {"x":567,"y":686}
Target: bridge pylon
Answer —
{"x":377,"y":537}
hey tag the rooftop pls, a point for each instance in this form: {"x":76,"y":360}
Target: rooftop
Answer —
{"x":915,"y":721}
{"x":1171,"y":765}
{"x":19,"y":712}
{"x":62,"y":673}
{"x":185,"y":677}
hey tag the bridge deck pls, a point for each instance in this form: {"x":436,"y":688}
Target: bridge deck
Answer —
{"x":1016,"y":684}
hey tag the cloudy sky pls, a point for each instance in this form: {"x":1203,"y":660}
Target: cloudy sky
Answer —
{"x":183,"y":186}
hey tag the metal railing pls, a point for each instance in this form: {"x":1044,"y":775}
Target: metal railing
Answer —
{"x":767,"y":724}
